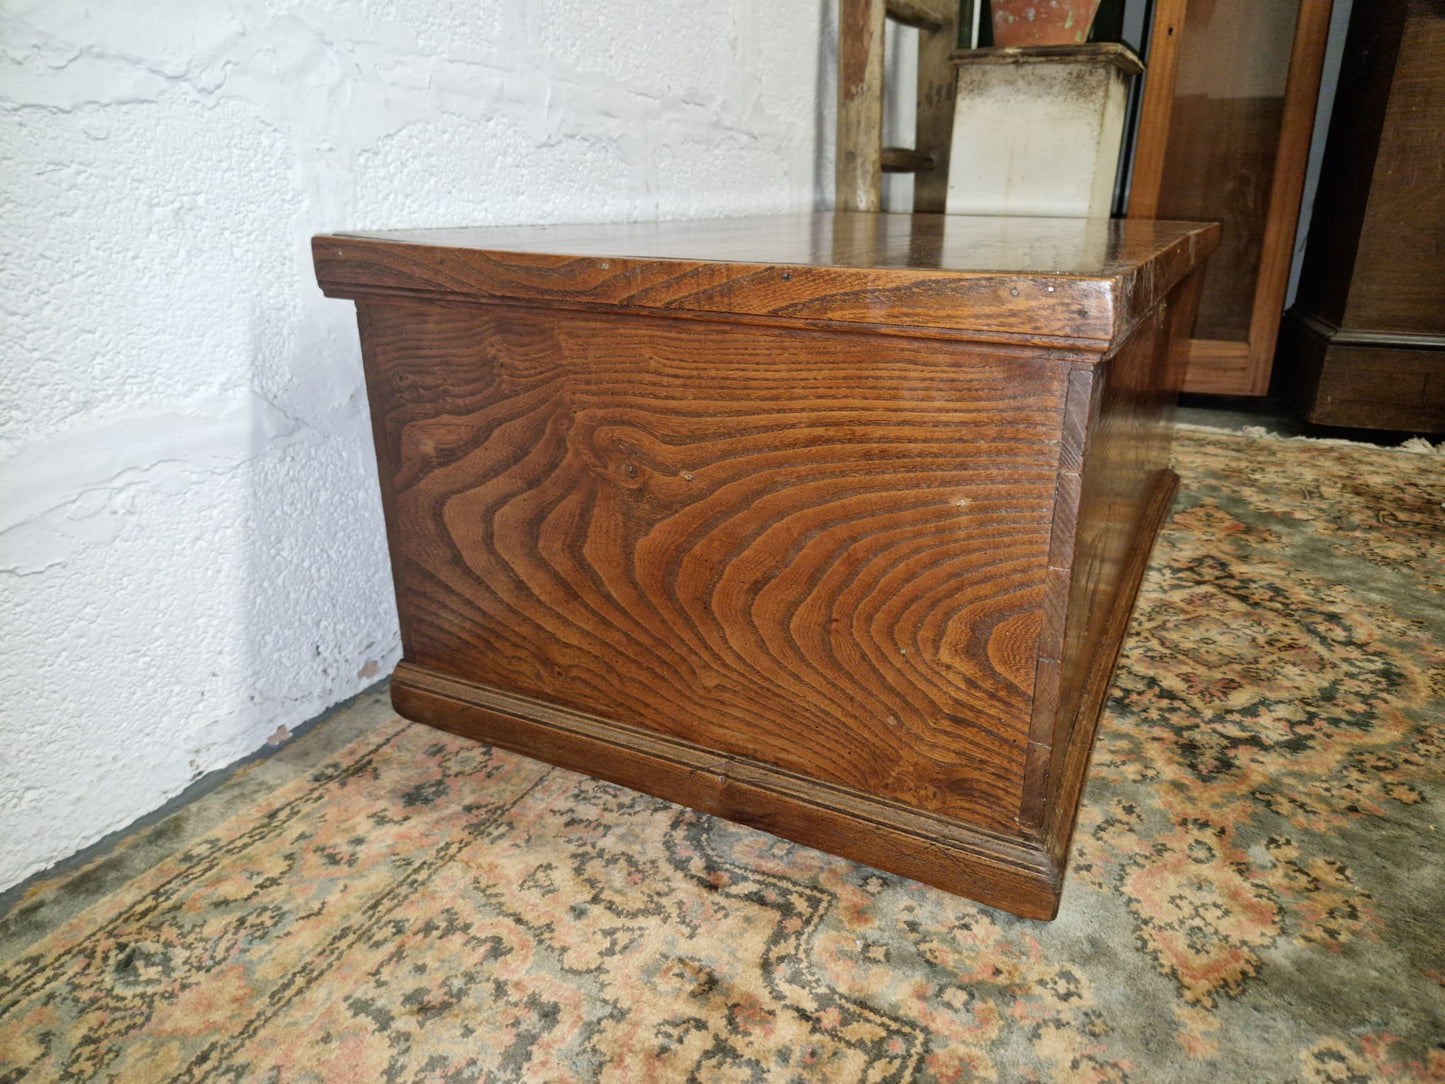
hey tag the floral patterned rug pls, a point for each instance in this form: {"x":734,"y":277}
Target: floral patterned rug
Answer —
{"x":1256,"y":889}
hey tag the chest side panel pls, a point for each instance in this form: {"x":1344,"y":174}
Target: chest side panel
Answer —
{"x":1123,"y":487}
{"x":824,"y":552}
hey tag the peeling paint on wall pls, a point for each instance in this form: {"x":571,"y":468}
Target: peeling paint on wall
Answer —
{"x":191,"y":552}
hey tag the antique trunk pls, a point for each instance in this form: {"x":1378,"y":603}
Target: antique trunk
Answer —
{"x":828,"y":524}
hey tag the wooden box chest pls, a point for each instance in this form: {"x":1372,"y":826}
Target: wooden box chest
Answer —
{"x":828,"y":524}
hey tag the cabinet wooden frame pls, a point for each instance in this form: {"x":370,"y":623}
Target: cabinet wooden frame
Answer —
{"x":1222,"y":366}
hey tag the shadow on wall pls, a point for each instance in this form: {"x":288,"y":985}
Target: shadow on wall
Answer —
{"x":191,"y":549}
{"x":317,"y":606}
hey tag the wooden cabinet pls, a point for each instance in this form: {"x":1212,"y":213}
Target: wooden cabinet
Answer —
{"x":828,"y":524}
{"x":1224,"y":135}
{"x":1364,"y":344}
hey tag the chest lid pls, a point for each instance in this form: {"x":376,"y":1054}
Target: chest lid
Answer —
{"x":1080,"y":284}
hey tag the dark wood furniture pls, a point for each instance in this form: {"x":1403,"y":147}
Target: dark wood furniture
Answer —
{"x":1224,"y":135}
{"x":1364,"y":343}
{"x":828,"y":524}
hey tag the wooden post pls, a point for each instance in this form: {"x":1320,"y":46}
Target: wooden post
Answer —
{"x":858,"y":172}
{"x":1159,"y":80}
{"x":934,"y":132}
{"x":1301,"y":94}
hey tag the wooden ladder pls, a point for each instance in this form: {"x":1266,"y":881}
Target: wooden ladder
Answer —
{"x":861,"y":157}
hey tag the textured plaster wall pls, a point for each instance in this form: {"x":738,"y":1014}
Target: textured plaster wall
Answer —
{"x":191,"y":547}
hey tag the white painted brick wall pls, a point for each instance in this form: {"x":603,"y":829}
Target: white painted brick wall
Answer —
{"x":191,"y":549}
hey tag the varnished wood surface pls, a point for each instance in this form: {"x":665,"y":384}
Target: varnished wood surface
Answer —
{"x":855,"y":583}
{"x":1380,"y":388}
{"x":1224,"y":171}
{"x":1157,"y":108}
{"x":993,"y":869}
{"x":1072,"y":283}
{"x":1301,"y":94}
{"x":1063,"y":786}
{"x":1218,"y":367}
{"x":950,"y":244}
{"x":1245,"y":300}
{"x":1364,"y":380}
{"x":706,"y":534}
{"x":1114,"y":453}
{"x":1364,"y":345}
{"x":1125,"y":488}
{"x":1398,"y":283}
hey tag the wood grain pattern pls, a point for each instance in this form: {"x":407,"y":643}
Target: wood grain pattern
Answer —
{"x":1301,"y":94}
{"x":1125,"y":449}
{"x":940,"y":851}
{"x":1398,"y":280}
{"x":1258,"y":196}
{"x":1157,"y":108}
{"x":857,"y":165}
{"x":1224,"y":171}
{"x":661,"y":527}
{"x":855,"y":583}
{"x":1124,"y":494}
{"x":1364,"y":345}
{"x":1070,"y":284}
{"x":1217,"y":367}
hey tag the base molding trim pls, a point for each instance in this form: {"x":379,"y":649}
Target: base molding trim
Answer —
{"x":1364,"y":379}
{"x":1014,"y":874}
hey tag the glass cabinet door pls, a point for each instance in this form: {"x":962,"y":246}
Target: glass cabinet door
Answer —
{"x":1225,"y":140}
